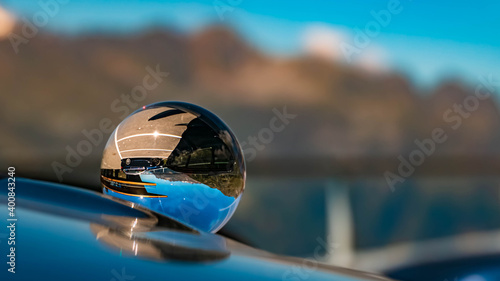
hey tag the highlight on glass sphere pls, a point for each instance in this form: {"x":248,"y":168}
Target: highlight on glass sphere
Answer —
{"x":177,"y":159}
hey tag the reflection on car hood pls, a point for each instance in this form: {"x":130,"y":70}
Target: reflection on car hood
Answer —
{"x":66,"y":233}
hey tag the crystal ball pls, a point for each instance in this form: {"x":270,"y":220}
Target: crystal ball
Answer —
{"x":177,"y":159}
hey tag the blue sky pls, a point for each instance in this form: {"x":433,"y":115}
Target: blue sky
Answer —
{"x":428,"y":40}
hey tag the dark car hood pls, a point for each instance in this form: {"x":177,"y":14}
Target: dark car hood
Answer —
{"x":67,"y":233}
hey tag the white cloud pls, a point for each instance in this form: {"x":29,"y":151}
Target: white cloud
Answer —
{"x":7,"y":23}
{"x":373,"y":59}
{"x":324,"y":41}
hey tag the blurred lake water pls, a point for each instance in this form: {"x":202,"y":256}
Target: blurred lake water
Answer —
{"x":287,"y":215}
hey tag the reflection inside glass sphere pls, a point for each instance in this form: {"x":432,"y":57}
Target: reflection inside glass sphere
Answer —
{"x":177,"y":159}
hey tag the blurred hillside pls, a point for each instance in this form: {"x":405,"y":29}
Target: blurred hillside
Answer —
{"x":348,"y":121}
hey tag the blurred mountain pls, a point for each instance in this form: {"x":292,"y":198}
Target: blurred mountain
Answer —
{"x":56,"y":87}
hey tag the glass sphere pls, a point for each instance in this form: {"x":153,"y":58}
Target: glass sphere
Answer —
{"x":177,"y":159}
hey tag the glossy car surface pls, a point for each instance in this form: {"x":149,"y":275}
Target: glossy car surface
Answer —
{"x":484,"y":267}
{"x":66,"y":233}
